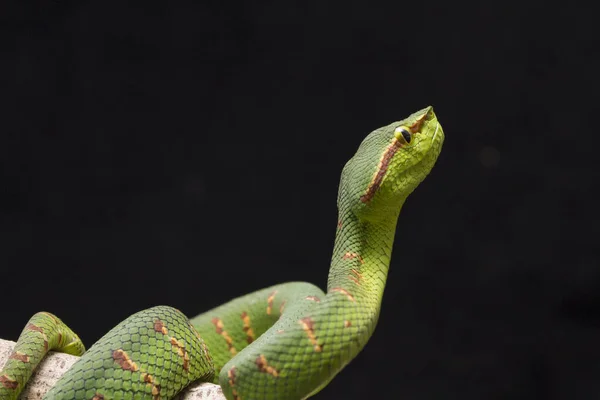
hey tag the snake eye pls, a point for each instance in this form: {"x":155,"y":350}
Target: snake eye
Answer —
{"x":403,"y":134}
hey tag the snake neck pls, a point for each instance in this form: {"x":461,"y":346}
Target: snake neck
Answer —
{"x":361,"y":257}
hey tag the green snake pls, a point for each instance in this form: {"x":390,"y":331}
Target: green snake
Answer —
{"x":284,"y":342}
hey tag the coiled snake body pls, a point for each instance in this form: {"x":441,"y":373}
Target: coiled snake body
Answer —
{"x":283,"y":342}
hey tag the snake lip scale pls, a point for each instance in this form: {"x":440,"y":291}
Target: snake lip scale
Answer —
{"x":283,"y":342}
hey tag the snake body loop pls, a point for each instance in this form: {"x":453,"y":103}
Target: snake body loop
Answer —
{"x":283,"y":342}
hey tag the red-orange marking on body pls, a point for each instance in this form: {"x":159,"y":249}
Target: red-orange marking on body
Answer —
{"x":347,"y":324}
{"x":351,"y":256}
{"x":17,"y":355}
{"x":281,"y":307}
{"x":344,"y":292}
{"x":149,"y":379}
{"x":156,"y":392}
{"x":180,"y":347}
{"x":309,"y":327}
{"x":231,"y":379}
{"x":247,"y":328}
{"x":98,"y":396}
{"x":340,"y":224}
{"x":53,"y":317}
{"x":35,"y":328}
{"x":218,"y":325}
{"x":263,"y":366}
{"x":206,"y":353}
{"x":8,"y":382}
{"x":160,"y":327}
{"x":123,"y":360}
{"x":357,"y":276}
{"x":219,"y":328}
{"x":231,"y":376}
{"x":270,"y":300}
{"x":313,"y":298}
{"x":382,"y":168}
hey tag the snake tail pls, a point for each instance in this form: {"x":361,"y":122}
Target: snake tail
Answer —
{"x":43,"y":332}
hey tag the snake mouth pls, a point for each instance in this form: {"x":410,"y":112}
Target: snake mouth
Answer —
{"x":437,"y":127}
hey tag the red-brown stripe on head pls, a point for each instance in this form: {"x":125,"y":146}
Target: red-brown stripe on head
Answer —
{"x":382,"y":169}
{"x":418,"y":123}
{"x":391,"y":161}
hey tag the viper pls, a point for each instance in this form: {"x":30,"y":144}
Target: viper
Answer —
{"x":283,"y":342}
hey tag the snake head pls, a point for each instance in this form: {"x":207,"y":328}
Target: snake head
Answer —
{"x":389,"y":164}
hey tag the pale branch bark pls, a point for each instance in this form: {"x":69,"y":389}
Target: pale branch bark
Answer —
{"x":56,"y":364}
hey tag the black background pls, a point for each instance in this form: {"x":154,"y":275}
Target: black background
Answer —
{"x":189,"y":152}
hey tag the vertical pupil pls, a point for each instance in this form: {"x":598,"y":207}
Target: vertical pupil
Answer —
{"x":405,"y":135}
